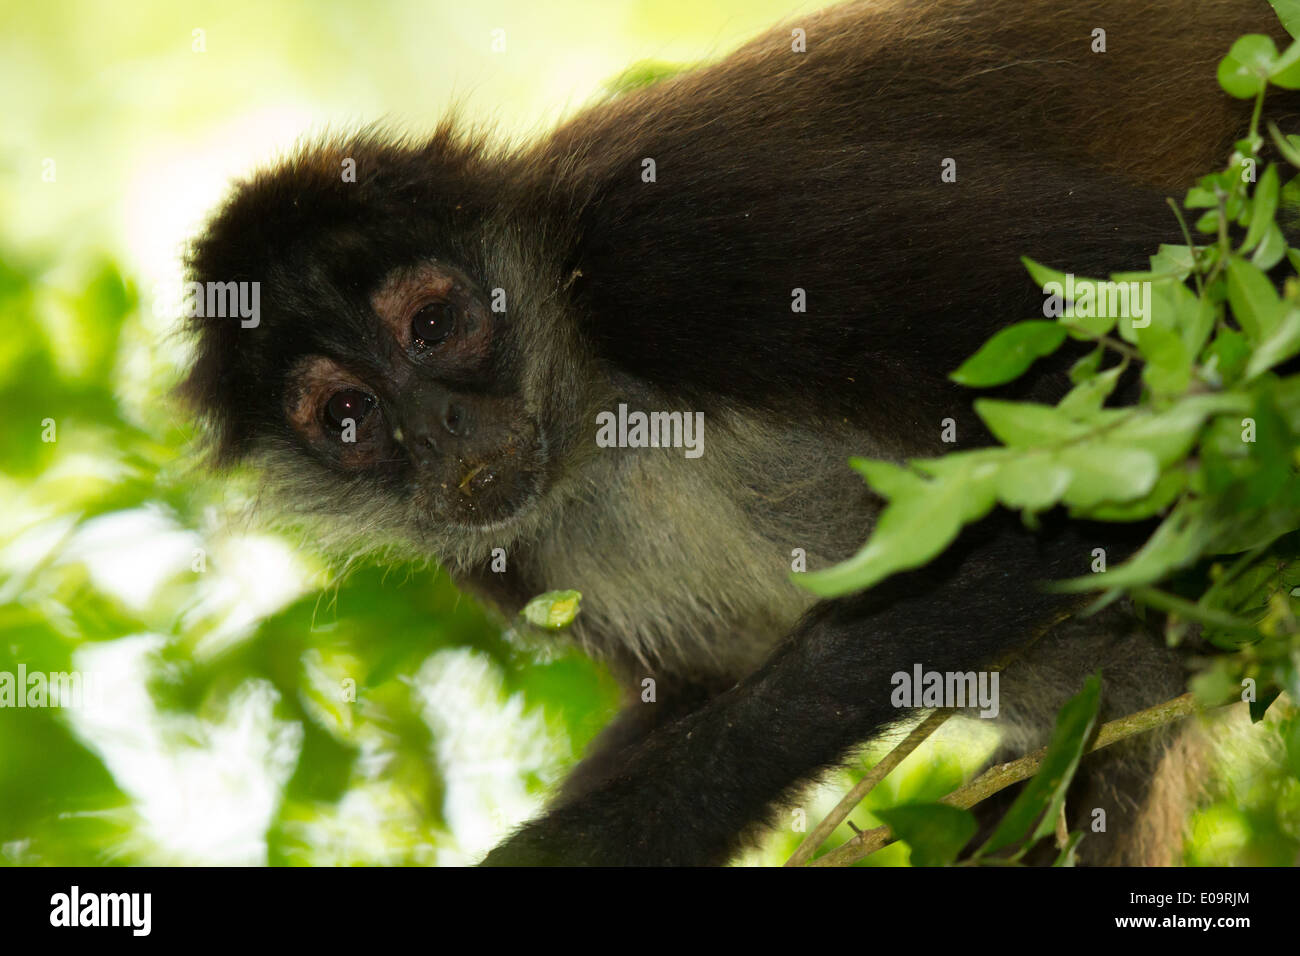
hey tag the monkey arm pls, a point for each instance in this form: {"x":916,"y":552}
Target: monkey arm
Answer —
{"x":691,"y":791}
{"x":633,"y":724}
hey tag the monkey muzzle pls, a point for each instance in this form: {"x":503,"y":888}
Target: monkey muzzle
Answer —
{"x":476,"y":458}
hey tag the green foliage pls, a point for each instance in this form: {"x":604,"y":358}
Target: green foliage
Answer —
{"x":1210,"y":448}
{"x":1009,"y":353}
{"x":1246,"y":70}
{"x":1288,"y":11}
{"x":1253,"y":790}
{"x":345,"y":661}
{"x":1034,"y":813}
{"x":936,"y":832}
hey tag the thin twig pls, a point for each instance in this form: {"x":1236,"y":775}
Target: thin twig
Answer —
{"x":817,"y":836}
{"x":1191,"y":246}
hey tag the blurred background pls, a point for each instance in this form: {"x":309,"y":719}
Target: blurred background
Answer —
{"x":210,"y":727}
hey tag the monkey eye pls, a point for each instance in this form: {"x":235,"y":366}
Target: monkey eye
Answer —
{"x":432,"y":324}
{"x":349,"y":403}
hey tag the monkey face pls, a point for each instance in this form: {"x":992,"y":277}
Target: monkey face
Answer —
{"x":387,"y":392}
{"x":424,"y":397}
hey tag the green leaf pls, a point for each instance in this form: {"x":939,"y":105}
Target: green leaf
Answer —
{"x":552,"y":610}
{"x":1175,"y":544}
{"x":1174,"y":261}
{"x":1197,"y":324}
{"x":886,"y":478}
{"x":1103,"y":471}
{"x":1087,"y":366}
{"x":1263,"y":205}
{"x":913,"y":528}
{"x":1009,"y":353}
{"x":1216,"y":685}
{"x":1244,"y":72}
{"x":1029,"y":425}
{"x":978,"y":468}
{"x":1286,"y":69}
{"x":1170,"y":434}
{"x":1286,"y":145}
{"x":1237,"y":206}
{"x":1168,"y":369}
{"x":1032,"y":482}
{"x":1167,"y":488}
{"x":1088,"y":396}
{"x":936,"y":832}
{"x":1083,"y":290}
{"x":1283,"y":343}
{"x":1271,"y":249}
{"x":1288,"y":199}
{"x":1043,"y":796}
{"x":1288,"y":11}
{"x":1253,"y":299}
{"x":1226,"y":358}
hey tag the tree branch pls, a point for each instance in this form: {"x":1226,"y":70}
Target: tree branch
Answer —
{"x":817,"y":836}
{"x":1004,"y":775}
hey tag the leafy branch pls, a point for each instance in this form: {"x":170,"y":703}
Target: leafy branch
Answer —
{"x":1054,"y":765}
{"x":1210,"y":448}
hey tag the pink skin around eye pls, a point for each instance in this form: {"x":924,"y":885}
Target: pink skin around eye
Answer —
{"x":312,"y":382}
{"x":407,"y":291}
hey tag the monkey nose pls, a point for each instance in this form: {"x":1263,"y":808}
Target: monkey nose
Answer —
{"x":419,"y":443}
{"x":422,"y":440}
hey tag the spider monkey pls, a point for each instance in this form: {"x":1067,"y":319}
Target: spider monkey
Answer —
{"x":440,"y":332}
